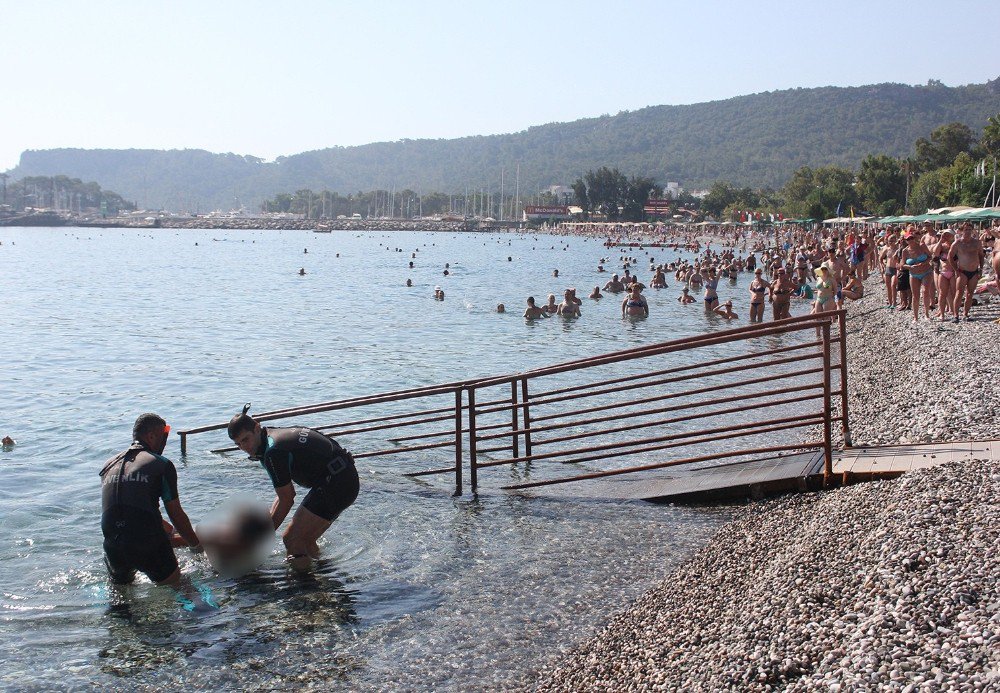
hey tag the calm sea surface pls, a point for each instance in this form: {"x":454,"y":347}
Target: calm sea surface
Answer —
{"x":418,"y":590}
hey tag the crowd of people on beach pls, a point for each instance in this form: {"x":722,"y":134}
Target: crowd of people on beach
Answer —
{"x":940,"y":269}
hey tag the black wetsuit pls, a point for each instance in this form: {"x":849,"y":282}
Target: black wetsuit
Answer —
{"x":132,"y":485}
{"x":310,"y":459}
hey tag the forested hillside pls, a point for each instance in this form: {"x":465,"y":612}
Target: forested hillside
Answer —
{"x":756,"y":140}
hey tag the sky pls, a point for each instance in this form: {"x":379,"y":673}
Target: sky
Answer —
{"x":278,"y":78}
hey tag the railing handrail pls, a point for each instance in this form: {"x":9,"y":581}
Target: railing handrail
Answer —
{"x":680,"y":344}
{"x":823,"y":323}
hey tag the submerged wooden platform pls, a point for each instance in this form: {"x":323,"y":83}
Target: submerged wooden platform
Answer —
{"x":774,"y":475}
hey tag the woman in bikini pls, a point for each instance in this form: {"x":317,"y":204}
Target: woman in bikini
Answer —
{"x":944,"y":272}
{"x":781,"y":294}
{"x":758,"y":289}
{"x":853,"y":289}
{"x":635,"y":304}
{"x":825,"y":290}
{"x":917,"y":258}
{"x":711,"y":296}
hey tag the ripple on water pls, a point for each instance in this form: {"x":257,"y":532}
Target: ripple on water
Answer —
{"x":418,"y":590}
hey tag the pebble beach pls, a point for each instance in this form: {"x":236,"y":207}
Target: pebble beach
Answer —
{"x":890,"y":585}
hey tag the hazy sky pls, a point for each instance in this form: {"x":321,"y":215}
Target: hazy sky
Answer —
{"x":274,"y":78}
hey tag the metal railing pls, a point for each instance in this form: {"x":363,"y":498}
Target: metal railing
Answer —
{"x":651,"y":402}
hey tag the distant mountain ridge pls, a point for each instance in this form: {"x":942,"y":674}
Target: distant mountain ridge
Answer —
{"x":756,"y":140}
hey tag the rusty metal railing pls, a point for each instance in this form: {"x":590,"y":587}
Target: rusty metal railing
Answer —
{"x":432,"y":409}
{"x":615,"y":416}
{"x":650,"y":402}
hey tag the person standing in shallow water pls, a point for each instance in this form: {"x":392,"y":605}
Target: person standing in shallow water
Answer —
{"x":133,"y":483}
{"x":307,"y":458}
{"x":635,"y":304}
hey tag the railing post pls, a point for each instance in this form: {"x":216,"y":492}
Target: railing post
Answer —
{"x":473,"y":469}
{"x":513,"y":417}
{"x":526,"y":418}
{"x":184,"y":443}
{"x":827,"y":405}
{"x":845,"y":419}
{"x":458,"y":441}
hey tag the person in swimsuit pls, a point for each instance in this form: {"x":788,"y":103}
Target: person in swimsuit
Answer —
{"x":781,"y":294}
{"x":888,"y":258}
{"x":944,"y":272}
{"x":726,"y":311}
{"x":695,"y":279}
{"x":917,"y":258}
{"x":614,"y":285}
{"x":711,"y":295}
{"x":132,"y":485}
{"x":759,"y":288}
{"x":635,"y":304}
{"x":569,"y":308}
{"x":596,"y":294}
{"x":685,"y":297}
{"x":533,"y":312}
{"x":854,"y":289}
{"x":307,"y":458}
{"x":551,"y":307}
{"x":968,"y":256}
{"x":824,"y":291}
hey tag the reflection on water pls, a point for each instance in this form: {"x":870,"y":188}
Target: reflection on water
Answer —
{"x":418,"y":590}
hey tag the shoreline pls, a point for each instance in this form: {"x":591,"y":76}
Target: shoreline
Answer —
{"x":889,"y":584}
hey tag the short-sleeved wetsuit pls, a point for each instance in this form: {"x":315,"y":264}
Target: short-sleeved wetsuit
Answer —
{"x":132,"y":485}
{"x":310,"y":459}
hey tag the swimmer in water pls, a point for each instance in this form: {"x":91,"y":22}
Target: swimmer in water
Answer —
{"x":685,"y":297}
{"x":726,"y":311}
{"x":302,"y":272}
{"x":596,"y":293}
{"x":551,"y":307}
{"x":8,"y":442}
{"x":501,"y":308}
{"x":533,"y":312}
{"x":569,"y":308}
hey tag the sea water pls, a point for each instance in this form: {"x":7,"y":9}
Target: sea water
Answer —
{"x":416,"y":590}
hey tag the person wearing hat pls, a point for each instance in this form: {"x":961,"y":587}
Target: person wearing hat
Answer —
{"x":307,"y":458}
{"x":133,"y":482}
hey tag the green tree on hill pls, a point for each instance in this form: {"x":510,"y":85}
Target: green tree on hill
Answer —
{"x":945,"y":143}
{"x":881,"y":185}
{"x":820,"y":193}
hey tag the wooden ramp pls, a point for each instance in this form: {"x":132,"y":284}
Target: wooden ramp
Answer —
{"x":770,"y":476}
{"x":881,"y":462}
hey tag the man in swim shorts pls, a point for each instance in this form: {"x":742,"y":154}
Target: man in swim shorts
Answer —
{"x":132,"y":485}
{"x":968,"y":256}
{"x":309,"y":459}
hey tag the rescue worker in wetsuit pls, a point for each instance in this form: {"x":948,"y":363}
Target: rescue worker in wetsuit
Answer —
{"x":309,"y":459}
{"x":132,"y":485}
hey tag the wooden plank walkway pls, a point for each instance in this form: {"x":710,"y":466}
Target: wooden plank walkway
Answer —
{"x":769,"y":476}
